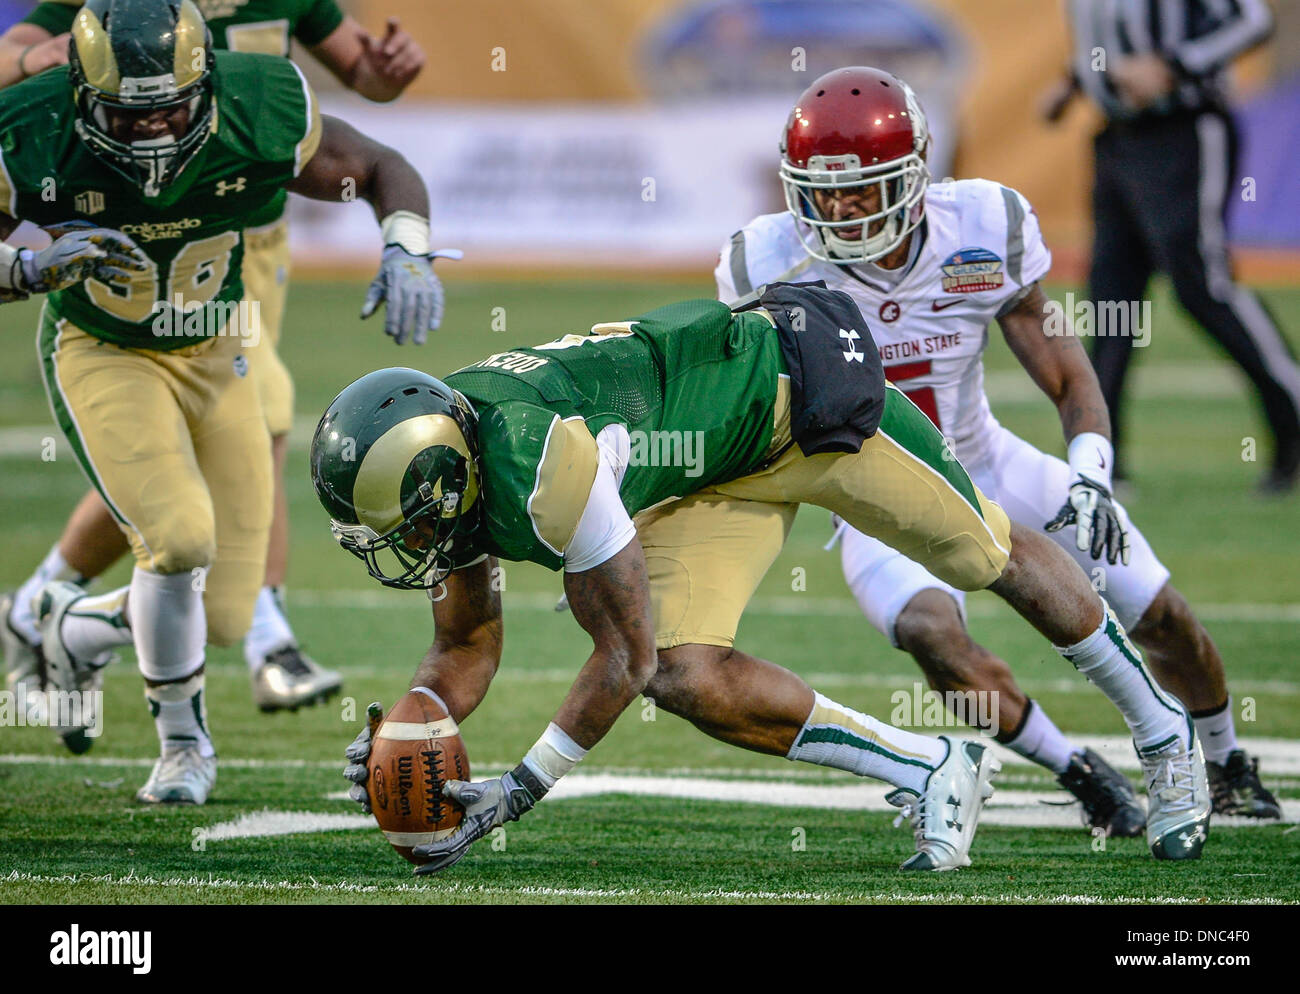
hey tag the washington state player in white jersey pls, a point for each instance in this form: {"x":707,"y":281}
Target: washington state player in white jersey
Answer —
{"x":931,"y":266}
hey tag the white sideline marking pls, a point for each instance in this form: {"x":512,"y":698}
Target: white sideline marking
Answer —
{"x":787,"y":605}
{"x":1277,"y":758}
{"x":1008,"y":808}
{"x":259,"y":824}
{"x":442,"y":890}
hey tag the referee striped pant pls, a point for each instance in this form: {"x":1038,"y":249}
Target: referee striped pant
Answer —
{"x":1159,"y":198}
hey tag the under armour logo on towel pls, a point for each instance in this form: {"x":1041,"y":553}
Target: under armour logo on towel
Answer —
{"x":852,"y":355}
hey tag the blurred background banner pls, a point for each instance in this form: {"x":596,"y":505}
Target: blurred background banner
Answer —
{"x":12,"y":11}
{"x":639,"y":134}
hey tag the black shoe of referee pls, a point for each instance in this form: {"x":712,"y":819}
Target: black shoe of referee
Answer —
{"x":1283,"y":478}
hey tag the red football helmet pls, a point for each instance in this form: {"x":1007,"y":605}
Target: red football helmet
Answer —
{"x":856,"y":127}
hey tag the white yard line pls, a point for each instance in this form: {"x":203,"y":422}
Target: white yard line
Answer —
{"x":1277,"y":758}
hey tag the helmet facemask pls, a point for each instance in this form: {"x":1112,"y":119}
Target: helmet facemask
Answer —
{"x":901,"y":184}
{"x":417,"y":554}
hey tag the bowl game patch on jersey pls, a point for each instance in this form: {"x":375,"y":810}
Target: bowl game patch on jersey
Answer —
{"x":970,"y":270}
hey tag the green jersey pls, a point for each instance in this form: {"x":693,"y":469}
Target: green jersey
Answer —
{"x":266,"y":127}
{"x":260,"y":26}
{"x":691,"y":388}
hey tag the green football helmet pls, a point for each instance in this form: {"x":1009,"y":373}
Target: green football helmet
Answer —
{"x":142,"y":55}
{"x":395,"y":463}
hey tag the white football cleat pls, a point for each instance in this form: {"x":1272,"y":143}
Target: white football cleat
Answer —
{"x":64,"y":673}
{"x":182,"y":776}
{"x":24,"y":666}
{"x":1178,"y":799}
{"x":944,"y":817}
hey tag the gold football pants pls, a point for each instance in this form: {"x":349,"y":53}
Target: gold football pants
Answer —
{"x":707,"y":553}
{"x":266,"y":281}
{"x":176,"y":444}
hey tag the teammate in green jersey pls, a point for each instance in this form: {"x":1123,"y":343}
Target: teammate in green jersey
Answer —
{"x":654,"y":462}
{"x":282,"y":675}
{"x":145,"y":157}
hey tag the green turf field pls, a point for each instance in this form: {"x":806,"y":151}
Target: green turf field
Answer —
{"x":744,"y":827}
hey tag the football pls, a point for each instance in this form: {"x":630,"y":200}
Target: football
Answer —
{"x":415,"y":752}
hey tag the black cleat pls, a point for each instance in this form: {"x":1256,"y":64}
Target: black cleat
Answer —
{"x":1235,"y":788}
{"x":1108,"y":799}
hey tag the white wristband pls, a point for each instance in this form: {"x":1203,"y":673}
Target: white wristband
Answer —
{"x":1091,"y":455}
{"x":11,"y":268}
{"x":554,"y":755}
{"x":408,"y":230}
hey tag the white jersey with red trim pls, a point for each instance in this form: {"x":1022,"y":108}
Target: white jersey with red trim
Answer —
{"x":979,"y":247}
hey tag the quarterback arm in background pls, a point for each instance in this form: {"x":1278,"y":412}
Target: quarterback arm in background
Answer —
{"x":1058,"y":364}
{"x":347,"y":165}
{"x":350,"y":166}
{"x":377,"y":68}
{"x":26,"y":49}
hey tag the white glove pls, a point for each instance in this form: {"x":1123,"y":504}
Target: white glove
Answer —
{"x":1100,"y":523}
{"x":88,"y":253}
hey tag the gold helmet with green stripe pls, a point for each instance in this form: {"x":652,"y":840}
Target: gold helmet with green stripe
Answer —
{"x":395,"y":463}
{"x":142,"y":70}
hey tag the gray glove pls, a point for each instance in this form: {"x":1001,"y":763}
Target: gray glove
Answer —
{"x":1100,"y":523}
{"x":410,"y":291}
{"x":488,"y":804}
{"x":86,"y":253}
{"x":358,"y":755}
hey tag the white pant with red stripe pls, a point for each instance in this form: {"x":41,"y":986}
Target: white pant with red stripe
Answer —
{"x":1031,"y":486}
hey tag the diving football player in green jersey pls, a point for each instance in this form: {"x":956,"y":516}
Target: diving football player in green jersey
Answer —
{"x":143,"y":334}
{"x":656,"y":463}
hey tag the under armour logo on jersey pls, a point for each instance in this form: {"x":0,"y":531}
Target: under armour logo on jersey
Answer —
{"x":236,"y":187}
{"x":852,"y":355}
